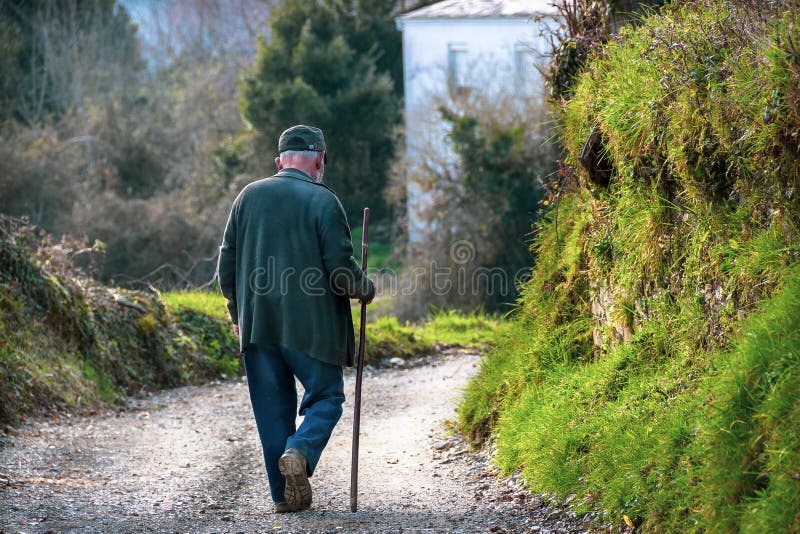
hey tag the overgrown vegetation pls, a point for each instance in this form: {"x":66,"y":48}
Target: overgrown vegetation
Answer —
{"x":67,"y":342}
{"x":505,"y":163}
{"x":120,"y":135}
{"x":652,"y":366}
{"x":585,"y":25}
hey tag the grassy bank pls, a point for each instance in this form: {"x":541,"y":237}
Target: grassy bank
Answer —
{"x":69,"y":343}
{"x":389,"y":338}
{"x":652,"y":367}
{"x":386,"y":336}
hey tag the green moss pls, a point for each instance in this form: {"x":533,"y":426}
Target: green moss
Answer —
{"x":207,"y":331}
{"x":147,"y":324}
{"x":105,"y":387}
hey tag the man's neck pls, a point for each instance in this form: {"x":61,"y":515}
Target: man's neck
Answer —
{"x":311,"y":174}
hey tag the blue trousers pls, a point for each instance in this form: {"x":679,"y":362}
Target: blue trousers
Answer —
{"x":270,"y":376}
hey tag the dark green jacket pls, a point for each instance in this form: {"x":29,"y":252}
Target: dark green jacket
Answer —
{"x":286,"y":267}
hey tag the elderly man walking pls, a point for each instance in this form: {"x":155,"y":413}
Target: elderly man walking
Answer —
{"x":286,"y":268}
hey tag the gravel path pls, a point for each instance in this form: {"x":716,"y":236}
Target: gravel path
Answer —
{"x":188,"y":460}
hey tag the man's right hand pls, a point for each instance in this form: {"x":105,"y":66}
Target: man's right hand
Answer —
{"x":236,"y":330}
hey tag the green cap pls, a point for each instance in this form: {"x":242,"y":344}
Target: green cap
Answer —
{"x":302,"y":137}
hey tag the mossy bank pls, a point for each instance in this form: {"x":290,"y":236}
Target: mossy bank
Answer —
{"x":653,"y":365}
{"x":70,"y":343}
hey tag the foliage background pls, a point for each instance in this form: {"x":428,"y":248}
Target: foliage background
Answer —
{"x":137,"y":139}
{"x":335,"y":65}
{"x":481,"y":199}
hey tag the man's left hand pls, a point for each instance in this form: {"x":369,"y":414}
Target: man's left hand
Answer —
{"x":371,"y":296}
{"x":236,"y":330}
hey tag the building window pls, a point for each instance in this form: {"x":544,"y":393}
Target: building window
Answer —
{"x":457,"y":69}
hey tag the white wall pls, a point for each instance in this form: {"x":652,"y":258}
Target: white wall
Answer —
{"x":491,"y":49}
{"x":490,"y":46}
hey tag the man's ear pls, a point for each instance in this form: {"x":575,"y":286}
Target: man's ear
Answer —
{"x":278,"y":163}
{"x":320,"y":158}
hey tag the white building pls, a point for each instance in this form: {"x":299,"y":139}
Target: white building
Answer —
{"x":456,"y":50}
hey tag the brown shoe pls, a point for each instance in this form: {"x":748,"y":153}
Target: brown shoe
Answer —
{"x":293,"y":466}
{"x":282,"y":508}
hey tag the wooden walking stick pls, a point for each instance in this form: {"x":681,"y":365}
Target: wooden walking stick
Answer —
{"x":359,"y":371}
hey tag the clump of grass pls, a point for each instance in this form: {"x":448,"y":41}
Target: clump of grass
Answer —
{"x":203,"y":326}
{"x":210,"y":303}
{"x":387,"y":338}
{"x":452,"y":327}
